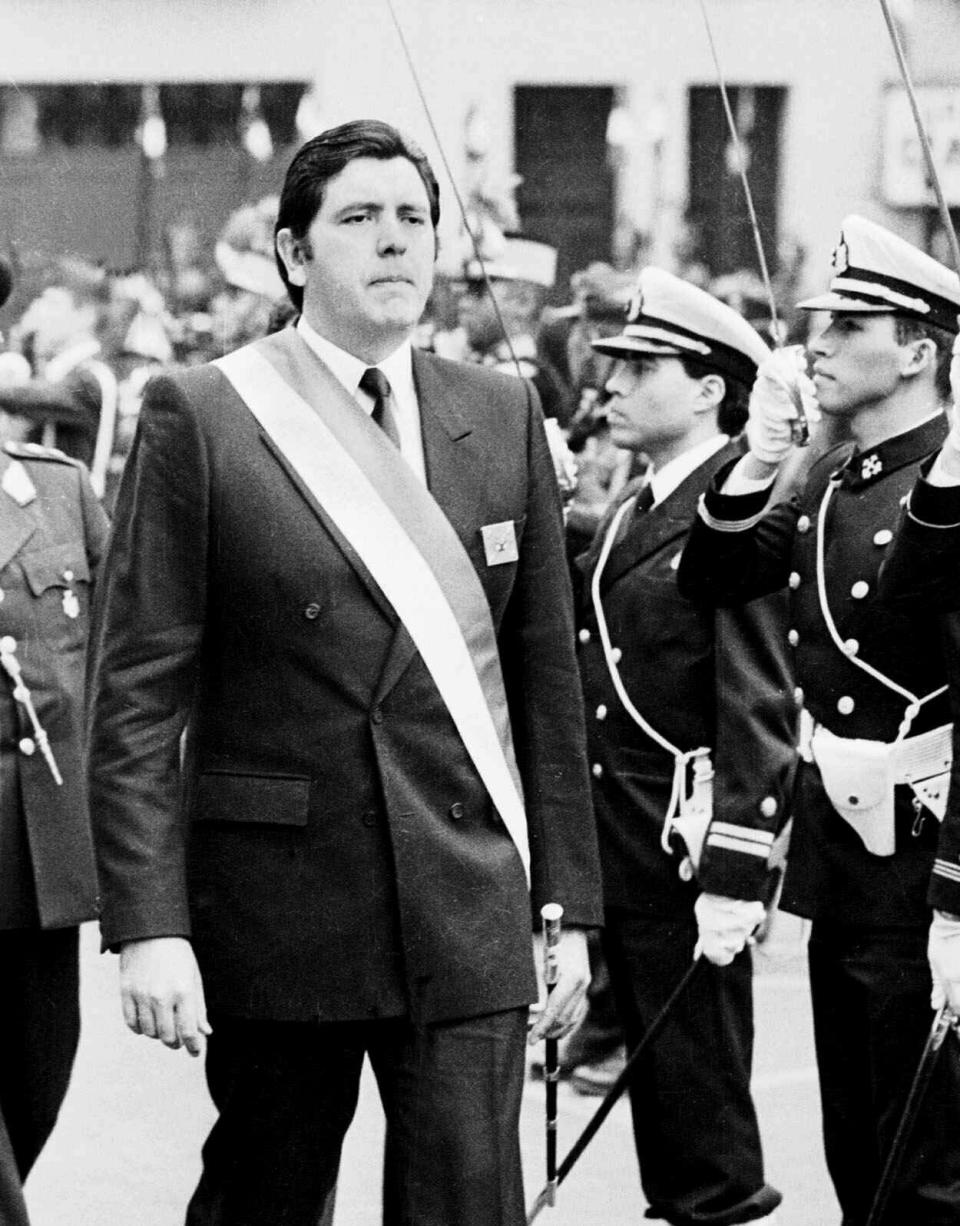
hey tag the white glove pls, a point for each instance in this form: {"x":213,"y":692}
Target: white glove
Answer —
{"x":943,"y":952}
{"x":955,"y":376}
{"x":724,"y":926}
{"x":780,"y":378}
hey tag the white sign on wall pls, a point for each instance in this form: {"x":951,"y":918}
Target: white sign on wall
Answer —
{"x":904,"y":168}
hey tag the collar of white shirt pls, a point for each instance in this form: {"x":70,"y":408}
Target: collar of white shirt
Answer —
{"x":398,"y":367}
{"x":676,"y":471}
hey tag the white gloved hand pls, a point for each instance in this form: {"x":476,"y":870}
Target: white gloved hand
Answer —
{"x":773,"y":410}
{"x":955,"y":376}
{"x":724,"y":926}
{"x":943,"y":952}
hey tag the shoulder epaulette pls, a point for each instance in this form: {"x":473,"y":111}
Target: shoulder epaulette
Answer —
{"x":34,"y":451}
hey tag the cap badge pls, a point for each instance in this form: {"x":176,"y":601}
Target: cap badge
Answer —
{"x":841,"y":256}
{"x":635,"y":305}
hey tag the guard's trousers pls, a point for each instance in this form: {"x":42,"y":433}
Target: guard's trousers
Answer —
{"x":286,"y":1092}
{"x":694,"y":1122}
{"x":39,"y":1032}
{"x":872,"y":1016}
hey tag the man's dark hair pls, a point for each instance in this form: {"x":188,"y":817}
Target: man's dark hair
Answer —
{"x":733,"y":409}
{"x":909,"y":329}
{"x":323,"y":158}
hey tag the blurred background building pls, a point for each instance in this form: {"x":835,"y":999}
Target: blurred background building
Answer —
{"x":129,"y":131}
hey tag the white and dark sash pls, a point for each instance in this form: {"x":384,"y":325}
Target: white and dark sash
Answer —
{"x":403,"y":538}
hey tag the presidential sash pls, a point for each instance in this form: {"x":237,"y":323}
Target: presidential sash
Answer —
{"x":403,"y":538}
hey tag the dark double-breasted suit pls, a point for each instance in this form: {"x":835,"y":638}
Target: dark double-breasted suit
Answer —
{"x":718,"y":679}
{"x":328,"y":845}
{"x":52,"y":531}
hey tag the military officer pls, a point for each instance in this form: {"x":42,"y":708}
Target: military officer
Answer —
{"x":52,"y":530}
{"x":876,"y":729}
{"x":685,"y":705}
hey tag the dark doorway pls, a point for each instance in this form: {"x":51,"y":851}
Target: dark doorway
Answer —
{"x":717,"y":205}
{"x":566,"y":197}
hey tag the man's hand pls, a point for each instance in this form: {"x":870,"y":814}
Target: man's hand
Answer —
{"x":724,"y":926}
{"x":780,"y":378}
{"x":567,"y":1004}
{"x":943,"y":952}
{"x":161,"y":993}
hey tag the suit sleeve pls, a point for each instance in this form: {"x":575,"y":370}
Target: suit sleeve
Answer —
{"x":543,"y":687}
{"x":145,"y":641}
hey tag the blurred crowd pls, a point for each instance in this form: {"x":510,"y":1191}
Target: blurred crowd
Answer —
{"x":75,"y":360}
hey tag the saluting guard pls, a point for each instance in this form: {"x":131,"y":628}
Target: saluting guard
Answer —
{"x":52,"y":531}
{"x":692,"y":745}
{"x":875,"y":741}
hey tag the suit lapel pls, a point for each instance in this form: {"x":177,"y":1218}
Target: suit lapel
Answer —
{"x":653,"y":530}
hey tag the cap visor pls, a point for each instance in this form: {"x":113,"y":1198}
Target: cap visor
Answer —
{"x":627,"y":346}
{"x":840,"y":302}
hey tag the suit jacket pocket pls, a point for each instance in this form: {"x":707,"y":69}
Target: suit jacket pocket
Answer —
{"x":226,"y":796}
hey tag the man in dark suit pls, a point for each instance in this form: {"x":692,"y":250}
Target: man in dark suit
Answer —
{"x":692,"y":744}
{"x":52,"y":531}
{"x":338,"y":566}
{"x":868,"y":852}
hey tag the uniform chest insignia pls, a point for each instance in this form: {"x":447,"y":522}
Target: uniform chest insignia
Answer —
{"x":841,"y":257}
{"x":871,"y":466}
{"x":16,"y":482}
{"x":635,"y":306}
{"x":499,"y":543}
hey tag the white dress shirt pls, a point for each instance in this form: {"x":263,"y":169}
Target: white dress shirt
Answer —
{"x":676,"y":471}
{"x":398,"y":367}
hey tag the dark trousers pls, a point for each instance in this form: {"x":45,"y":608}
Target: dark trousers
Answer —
{"x":286,"y":1092}
{"x":693,"y":1118}
{"x":39,"y":1032}
{"x":872,"y":1016}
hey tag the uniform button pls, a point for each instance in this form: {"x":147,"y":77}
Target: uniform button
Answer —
{"x":601,"y":712}
{"x":376,"y":715}
{"x":803,"y":523}
{"x":8,"y":644}
{"x":685,"y":870}
{"x":768,"y":806}
{"x":68,"y":575}
{"x":860,"y":589}
{"x":793,"y":637}
{"x":851,"y":646}
{"x":27,"y":745}
{"x":456,"y":810}
{"x":794,"y":579}
{"x":616,"y":655}
{"x":883,"y":537}
{"x":597,"y":770}
{"x":370,"y":817}
{"x":845,"y":705}
{"x":311,"y":612}
{"x":584,"y":635}
{"x":798,"y":696}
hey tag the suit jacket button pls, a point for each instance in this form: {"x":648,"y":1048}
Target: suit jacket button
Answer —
{"x":311,"y":612}
{"x":370,"y":817}
{"x":376,"y":715}
{"x":27,"y":745}
{"x":456,"y":810}
{"x":597,"y":770}
{"x":584,"y":635}
{"x":768,"y":806}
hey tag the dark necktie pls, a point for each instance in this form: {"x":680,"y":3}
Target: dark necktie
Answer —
{"x":376,"y":384}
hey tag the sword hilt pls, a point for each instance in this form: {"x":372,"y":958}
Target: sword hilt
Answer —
{"x":11,"y":666}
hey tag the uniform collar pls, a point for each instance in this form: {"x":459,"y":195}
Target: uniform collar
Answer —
{"x":865,"y":467}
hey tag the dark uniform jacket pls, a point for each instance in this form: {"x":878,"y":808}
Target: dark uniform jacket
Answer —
{"x":700,"y":677}
{"x":329,"y":845}
{"x":922,"y":576}
{"x":831,"y":875}
{"x":52,"y":531}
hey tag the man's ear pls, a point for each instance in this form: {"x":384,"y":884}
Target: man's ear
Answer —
{"x":294,"y":252}
{"x":713,"y":388}
{"x":919,"y":355}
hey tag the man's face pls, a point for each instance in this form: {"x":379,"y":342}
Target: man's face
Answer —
{"x":857,"y":362}
{"x":366,"y":265}
{"x":655,"y":404}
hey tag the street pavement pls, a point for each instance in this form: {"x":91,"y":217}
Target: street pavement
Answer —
{"x":127,"y":1146}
